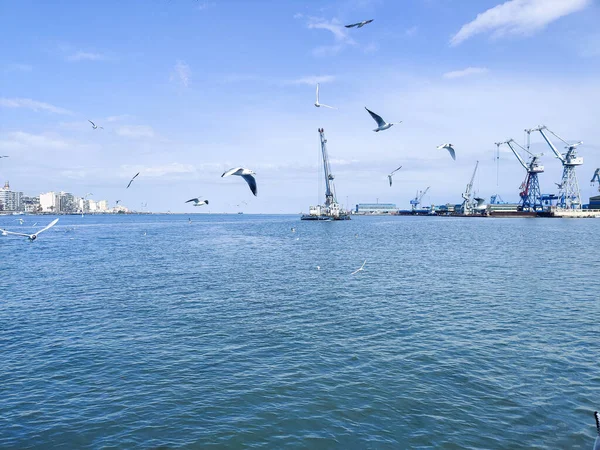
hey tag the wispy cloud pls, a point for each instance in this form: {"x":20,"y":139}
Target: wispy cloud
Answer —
{"x":466,"y":72}
{"x":181,"y":73}
{"x":118,"y":118}
{"x":412,"y":31}
{"x":205,"y":5}
{"x":136,"y":131}
{"x":32,"y":104}
{"x":85,"y":56}
{"x":23,"y":140}
{"x":159,"y":170}
{"x":15,"y":67}
{"x":312,"y":80}
{"x":518,"y":17}
{"x":336,"y":28}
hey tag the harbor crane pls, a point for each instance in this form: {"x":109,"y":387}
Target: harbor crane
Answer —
{"x":417,"y":200}
{"x":530,"y":188}
{"x":596,"y":178}
{"x":569,"y":196}
{"x":467,"y":205}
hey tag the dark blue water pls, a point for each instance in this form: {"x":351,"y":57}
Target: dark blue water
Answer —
{"x":459,"y":333}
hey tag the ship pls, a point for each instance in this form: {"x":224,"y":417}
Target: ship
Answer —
{"x":331,"y":210}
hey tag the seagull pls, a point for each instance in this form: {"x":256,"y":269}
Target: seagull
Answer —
{"x":246,"y":174}
{"x":293,"y":230}
{"x":117,"y":202}
{"x":360,"y":268}
{"x":198,"y":202}
{"x":381,"y":124}
{"x":318,"y":267}
{"x":391,"y":174}
{"x":359,"y":24}
{"x":20,"y":221}
{"x":597,"y":442}
{"x":449,"y":148}
{"x":94,"y":126}
{"x":131,"y":181}
{"x":32,"y":237}
{"x":318,"y":105}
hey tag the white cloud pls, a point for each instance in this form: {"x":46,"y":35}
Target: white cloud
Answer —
{"x":340,"y":34}
{"x":522,"y":17}
{"x":136,"y":131}
{"x":466,"y":72}
{"x":181,"y":73}
{"x":18,"y":68}
{"x":118,"y":118}
{"x":32,"y":104}
{"x":159,"y":170}
{"x":22,"y":140}
{"x":312,"y":80}
{"x":85,"y":56}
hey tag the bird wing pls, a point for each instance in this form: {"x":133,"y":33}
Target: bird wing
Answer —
{"x":397,"y":170}
{"x":452,"y":153}
{"x":195,"y":200}
{"x":251,"y":182}
{"x":317,"y":92}
{"x":93,"y":124}
{"x":231,"y":171}
{"x":16,"y":234}
{"x":129,"y":184}
{"x":377,"y":118}
{"x":439,"y":147}
{"x":353,"y":25}
{"x":50,"y":225}
{"x":390,"y":178}
{"x":135,"y":176}
{"x":327,"y":106}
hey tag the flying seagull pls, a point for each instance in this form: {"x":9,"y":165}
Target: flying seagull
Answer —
{"x":360,"y":268}
{"x":32,"y":237}
{"x":246,"y":174}
{"x":381,"y":124}
{"x":131,"y":181}
{"x":359,"y":24}
{"x":94,"y":126}
{"x":318,"y":105}
{"x":449,"y":148}
{"x":117,"y":202}
{"x":198,"y":202}
{"x":392,"y":174}
{"x":597,"y":442}
{"x":20,"y":221}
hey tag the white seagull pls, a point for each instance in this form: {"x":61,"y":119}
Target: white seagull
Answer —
{"x":94,"y":126}
{"x":381,"y":124}
{"x":597,"y":442}
{"x":359,"y":24}
{"x":32,"y":237}
{"x":318,"y":105}
{"x":449,"y":148}
{"x":392,"y":174}
{"x":20,"y":221}
{"x":246,"y":174}
{"x":360,"y":268}
{"x":198,"y":202}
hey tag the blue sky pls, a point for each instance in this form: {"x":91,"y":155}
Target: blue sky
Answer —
{"x":186,"y":89}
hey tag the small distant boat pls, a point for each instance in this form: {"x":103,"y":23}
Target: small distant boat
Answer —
{"x":240,"y":212}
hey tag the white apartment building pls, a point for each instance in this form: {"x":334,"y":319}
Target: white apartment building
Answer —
{"x":50,"y":202}
{"x":10,"y":200}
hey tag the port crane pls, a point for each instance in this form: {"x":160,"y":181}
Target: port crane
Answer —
{"x":530,"y":188}
{"x":467,"y":205}
{"x":417,"y":200}
{"x":569,"y":195}
{"x":596,"y":178}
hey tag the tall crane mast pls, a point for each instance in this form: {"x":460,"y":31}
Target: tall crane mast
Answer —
{"x":530,"y":188}
{"x":569,"y":195}
{"x":329,"y":187}
{"x":417,"y":200}
{"x":467,"y":207}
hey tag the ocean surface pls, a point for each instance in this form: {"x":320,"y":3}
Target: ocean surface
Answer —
{"x":153,"y":332}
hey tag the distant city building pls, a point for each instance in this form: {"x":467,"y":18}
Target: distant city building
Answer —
{"x":375,"y":208}
{"x":103,"y":206}
{"x":31,"y":204}
{"x":10,"y":200}
{"x":50,"y":202}
{"x":67,"y":203}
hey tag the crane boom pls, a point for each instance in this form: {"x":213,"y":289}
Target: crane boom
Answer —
{"x":548,"y":141}
{"x":596,"y":178}
{"x":423,"y":194}
{"x":509,"y":143}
